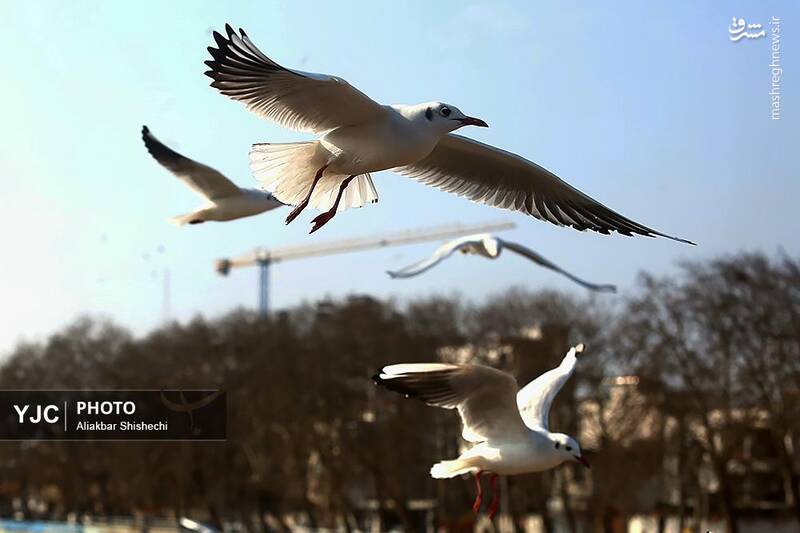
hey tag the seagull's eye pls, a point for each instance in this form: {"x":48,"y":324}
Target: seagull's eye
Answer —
{"x":558,"y":444}
{"x":569,"y":448}
{"x":445,"y":111}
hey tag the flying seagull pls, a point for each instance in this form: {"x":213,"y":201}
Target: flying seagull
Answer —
{"x":491,"y":247}
{"x":359,"y":136}
{"x":507,"y":427}
{"x":223,"y":199}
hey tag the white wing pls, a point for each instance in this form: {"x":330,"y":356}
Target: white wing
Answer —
{"x":441,"y":253}
{"x":483,"y":396}
{"x":541,"y":261}
{"x":301,"y":101}
{"x":491,"y":176}
{"x":202,"y":179}
{"x":535,"y":398}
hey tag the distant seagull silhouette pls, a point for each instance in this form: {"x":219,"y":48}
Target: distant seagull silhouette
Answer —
{"x":491,"y":247}
{"x":223,"y":199}
{"x":359,"y":136}
{"x":507,"y":427}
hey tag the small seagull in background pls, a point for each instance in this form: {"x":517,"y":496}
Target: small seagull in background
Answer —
{"x":223,"y":199}
{"x":187,"y":524}
{"x":359,"y":136}
{"x":490,"y":247}
{"x":507,"y":427}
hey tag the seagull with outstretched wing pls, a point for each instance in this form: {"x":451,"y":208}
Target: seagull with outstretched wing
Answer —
{"x":359,"y":136}
{"x":490,"y":247}
{"x":507,"y":426}
{"x":223,"y":199}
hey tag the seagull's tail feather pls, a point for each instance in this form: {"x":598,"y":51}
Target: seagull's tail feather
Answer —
{"x":448,"y":469}
{"x":188,"y":218}
{"x":288,"y":169}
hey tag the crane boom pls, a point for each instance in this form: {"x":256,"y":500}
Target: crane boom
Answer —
{"x":264,"y":257}
{"x":289,"y":253}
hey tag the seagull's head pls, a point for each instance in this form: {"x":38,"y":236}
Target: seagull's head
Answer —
{"x":446,"y":118}
{"x":568,"y":448}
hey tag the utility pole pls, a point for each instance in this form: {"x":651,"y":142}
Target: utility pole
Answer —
{"x":263,"y":287}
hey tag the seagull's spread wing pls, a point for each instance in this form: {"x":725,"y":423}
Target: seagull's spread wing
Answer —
{"x":483,"y":396}
{"x":301,"y":101}
{"x":202,"y":179}
{"x":498,"y":178}
{"x":541,"y":261}
{"x":535,"y":398}
{"x":441,"y":253}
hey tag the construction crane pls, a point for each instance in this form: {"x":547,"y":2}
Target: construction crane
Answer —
{"x":263,"y":258}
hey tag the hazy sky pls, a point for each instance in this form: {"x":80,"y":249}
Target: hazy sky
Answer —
{"x":648,"y":107}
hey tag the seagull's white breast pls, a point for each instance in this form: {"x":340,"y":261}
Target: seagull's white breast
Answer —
{"x":380,"y":145}
{"x":519,"y":456}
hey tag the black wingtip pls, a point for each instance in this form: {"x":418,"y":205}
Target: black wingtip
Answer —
{"x":220,"y":39}
{"x":229,"y":30}
{"x":656,"y":234}
{"x":217,"y":54}
{"x":148,"y":138}
{"x":612,"y":289}
{"x":162,"y":153}
{"x":395,"y":385}
{"x":152,"y":144}
{"x":685,"y":241}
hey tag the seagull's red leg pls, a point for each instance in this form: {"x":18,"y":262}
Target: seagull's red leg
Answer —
{"x":323,"y":218}
{"x":476,"y":507}
{"x":495,"y":497}
{"x":302,"y":205}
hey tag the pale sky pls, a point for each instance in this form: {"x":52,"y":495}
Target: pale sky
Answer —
{"x":649,"y":107}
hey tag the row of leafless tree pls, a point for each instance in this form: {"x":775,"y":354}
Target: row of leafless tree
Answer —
{"x":715,"y":348}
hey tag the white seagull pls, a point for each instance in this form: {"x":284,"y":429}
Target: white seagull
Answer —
{"x":490,"y":247}
{"x":223,"y":199}
{"x":359,"y":136}
{"x":507,"y":427}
